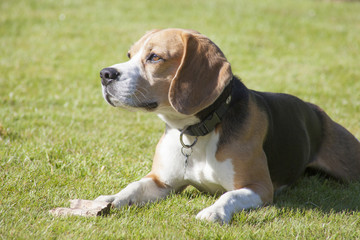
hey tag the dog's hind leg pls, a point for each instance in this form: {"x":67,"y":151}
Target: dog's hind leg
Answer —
{"x":339,"y":154}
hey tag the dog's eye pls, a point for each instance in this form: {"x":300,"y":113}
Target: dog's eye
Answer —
{"x":154,"y":58}
{"x":129,"y":55}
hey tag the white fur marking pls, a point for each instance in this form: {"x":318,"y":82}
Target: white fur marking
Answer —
{"x":228,"y":204}
{"x":139,"y":193}
{"x":126,"y":91}
{"x":203,"y":170}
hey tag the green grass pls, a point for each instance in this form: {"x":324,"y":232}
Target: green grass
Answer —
{"x":59,"y":140}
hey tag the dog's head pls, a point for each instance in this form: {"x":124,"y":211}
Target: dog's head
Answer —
{"x":169,"y":70}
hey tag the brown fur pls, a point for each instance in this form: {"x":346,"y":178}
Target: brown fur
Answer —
{"x":156,"y":165}
{"x":201,"y":76}
{"x":156,"y":180}
{"x":248,"y":156}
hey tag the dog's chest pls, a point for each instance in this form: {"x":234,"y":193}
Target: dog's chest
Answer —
{"x":201,"y":168}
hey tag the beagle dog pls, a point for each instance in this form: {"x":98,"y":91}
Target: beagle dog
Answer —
{"x":220,"y":136}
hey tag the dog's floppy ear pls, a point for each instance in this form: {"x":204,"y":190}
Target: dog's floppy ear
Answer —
{"x":201,"y":77}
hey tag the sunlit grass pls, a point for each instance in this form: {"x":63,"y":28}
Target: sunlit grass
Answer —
{"x":59,"y":140}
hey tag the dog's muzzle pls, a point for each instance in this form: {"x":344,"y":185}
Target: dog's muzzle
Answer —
{"x":110,"y":75}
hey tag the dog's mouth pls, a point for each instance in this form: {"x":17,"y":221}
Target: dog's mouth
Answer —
{"x":107,"y":98}
{"x":128,"y":101}
{"x":151,"y":106}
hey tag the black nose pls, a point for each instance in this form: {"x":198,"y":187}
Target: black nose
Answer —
{"x":107,"y":75}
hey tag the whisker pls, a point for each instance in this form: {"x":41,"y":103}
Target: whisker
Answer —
{"x":144,"y":96}
{"x":138,"y":100}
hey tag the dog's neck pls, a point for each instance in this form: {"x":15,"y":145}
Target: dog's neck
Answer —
{"x":212,"y":115}
{"x":177,"y":120}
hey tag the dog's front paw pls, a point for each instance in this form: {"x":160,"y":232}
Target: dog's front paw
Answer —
{"x":117,"y":201}
{"x":214,"y":214}
{"x":106,"y":198}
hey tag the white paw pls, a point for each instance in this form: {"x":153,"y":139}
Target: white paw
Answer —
{"x":106,"y":198}
{"x":214,"y":214}
{"x":117,"y":200}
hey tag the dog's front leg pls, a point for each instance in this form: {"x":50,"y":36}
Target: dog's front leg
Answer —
{"x":146,"y":190}
{"x":229,"y":203}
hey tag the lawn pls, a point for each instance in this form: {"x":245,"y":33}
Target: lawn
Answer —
{"x":60,"y":140}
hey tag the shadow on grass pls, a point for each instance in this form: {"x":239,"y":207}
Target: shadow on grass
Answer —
{"x":322,"y":193}
{"x":314,"y":191}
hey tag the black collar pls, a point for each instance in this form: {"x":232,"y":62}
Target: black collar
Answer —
{"x":211,"y":115}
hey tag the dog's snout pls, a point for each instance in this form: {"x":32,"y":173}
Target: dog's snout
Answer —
{"x":108,"y":74}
